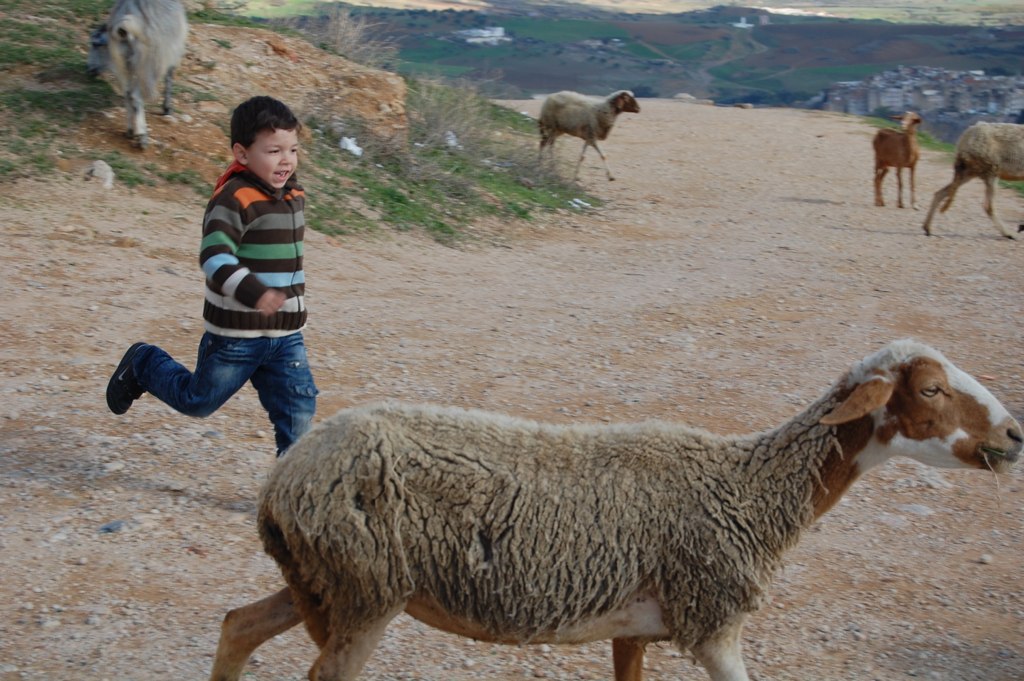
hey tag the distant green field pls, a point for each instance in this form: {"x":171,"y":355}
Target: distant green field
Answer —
{"x":561,"y":30}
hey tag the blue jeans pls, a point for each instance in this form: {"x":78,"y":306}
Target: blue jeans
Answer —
{"x":277,"y":367}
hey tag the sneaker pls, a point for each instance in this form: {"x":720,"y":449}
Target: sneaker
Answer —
{"x":123,"y":388}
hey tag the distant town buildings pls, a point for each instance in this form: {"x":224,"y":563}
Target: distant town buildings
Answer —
{"x":946,"y":99}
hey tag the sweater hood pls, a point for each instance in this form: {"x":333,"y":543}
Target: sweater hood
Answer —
{"x":237,"y":168}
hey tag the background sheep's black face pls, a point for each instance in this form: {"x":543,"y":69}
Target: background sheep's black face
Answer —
{"x":626,"y":103}
{"x":99,"y":52}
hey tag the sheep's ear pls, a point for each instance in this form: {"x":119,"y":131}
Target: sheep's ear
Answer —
{"x":864,"y":399}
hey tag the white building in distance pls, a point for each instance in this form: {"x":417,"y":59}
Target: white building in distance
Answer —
{"x":492,"y":35}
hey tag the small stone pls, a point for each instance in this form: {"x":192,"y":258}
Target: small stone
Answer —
{"x":112,"y":526}
{"x":985,"y":559}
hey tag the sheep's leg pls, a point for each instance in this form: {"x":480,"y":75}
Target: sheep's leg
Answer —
{"x":899,"y":186}
{"x":547,"y":141}
{"x":990,"y":206}
{"x":607,"y":170}
{"x":958,"y":179}
{"x":721,"y":655}
{"x":583,"y":152}
{"x":168,"y":85}
{"x":880,"y":172}
{"x":945,"y":197}
{"x":346,"y":652}
{"x":245,"y":629}
{"x":628,"y":659}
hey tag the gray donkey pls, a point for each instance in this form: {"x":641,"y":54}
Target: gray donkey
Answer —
{"x":141,"y":43}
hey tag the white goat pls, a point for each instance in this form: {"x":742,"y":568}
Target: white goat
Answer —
{"x":897,"y":148}
{"x":510,"y":531}
{"x":590,"y":119}
{"x":142,"y":42}
{"x":990,"y":151}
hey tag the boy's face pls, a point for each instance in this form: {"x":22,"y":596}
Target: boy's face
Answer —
{"x":273,"y":156}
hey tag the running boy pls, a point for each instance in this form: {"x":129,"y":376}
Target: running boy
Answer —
{"x":251,"y":254}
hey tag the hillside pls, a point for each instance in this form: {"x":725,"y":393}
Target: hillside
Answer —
{"x":736,"y":268}
{"x":54,"y":118}
{"x":962,"y":12}
{"x":774,"y":59}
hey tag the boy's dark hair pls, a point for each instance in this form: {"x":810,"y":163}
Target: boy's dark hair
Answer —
{"x":257,"y":114}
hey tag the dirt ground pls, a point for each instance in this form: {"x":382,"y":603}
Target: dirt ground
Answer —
{"x":736,"y":268}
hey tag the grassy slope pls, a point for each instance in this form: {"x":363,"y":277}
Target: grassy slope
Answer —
{"x":47,"y":102}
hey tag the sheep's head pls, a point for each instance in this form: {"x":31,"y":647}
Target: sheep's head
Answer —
{"x":623,"y":101}
{"x":923,"y":407}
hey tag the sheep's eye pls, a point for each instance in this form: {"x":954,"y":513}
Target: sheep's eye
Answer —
{"x":931,"y":391}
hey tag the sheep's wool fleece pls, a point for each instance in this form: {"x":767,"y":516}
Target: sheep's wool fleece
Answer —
{"x":576,"y":114}
{"x":526,"y":528}
{"x":993,"y":148}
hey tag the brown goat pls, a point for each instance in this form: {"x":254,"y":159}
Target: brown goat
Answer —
{"x":897,"y":148}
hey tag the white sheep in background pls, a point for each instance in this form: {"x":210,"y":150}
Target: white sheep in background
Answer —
{"x":510,"y":531}
{"x":989,"y":151}
{"x":899,"y":149}
{"x":589,"y":118}
{"x":142,"y":42}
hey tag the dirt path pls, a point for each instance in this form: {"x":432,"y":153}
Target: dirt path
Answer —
{"x":736,"y":269}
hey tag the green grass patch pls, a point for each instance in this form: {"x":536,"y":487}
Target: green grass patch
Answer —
{"x":562,"y":30}
{"x":642,"y":51}
{"x":416,"y":69}
{"x":455,"y":170}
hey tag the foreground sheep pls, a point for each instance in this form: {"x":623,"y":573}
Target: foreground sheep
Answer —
{"x":897,"y":149}
{"x":511,"y":531}
{"x":590,"y":119}
{"x":142,"y":42}
{"x":990,"y":151}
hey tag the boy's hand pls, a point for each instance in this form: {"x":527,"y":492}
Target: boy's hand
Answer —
{"x":271,"y":301}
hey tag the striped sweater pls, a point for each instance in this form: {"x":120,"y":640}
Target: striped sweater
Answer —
{"x":252,"y":241}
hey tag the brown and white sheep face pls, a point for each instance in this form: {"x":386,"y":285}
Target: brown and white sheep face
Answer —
{"x":624,"y":102}
{"x":925,"y":408}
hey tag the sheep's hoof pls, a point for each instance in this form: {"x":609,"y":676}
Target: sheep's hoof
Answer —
{"x":140,"y":141}
{"x":1009,"y":236}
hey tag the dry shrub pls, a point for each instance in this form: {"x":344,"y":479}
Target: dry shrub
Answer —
{"x":352,"y":36}
{"x":447,"y":115}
